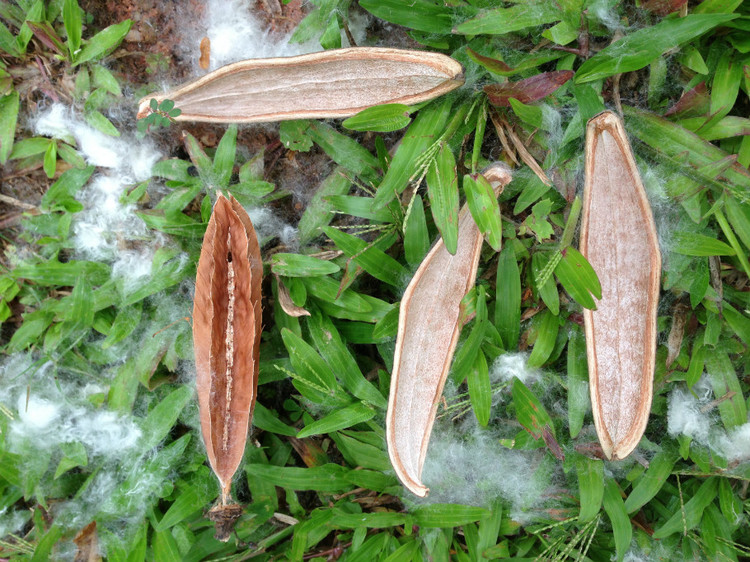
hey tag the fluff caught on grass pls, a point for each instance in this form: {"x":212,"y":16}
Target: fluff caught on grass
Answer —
{"x":237,"y":34}
{"x":105,"y":225}
{"x":467,"y":465}
{"x":691,"y":413}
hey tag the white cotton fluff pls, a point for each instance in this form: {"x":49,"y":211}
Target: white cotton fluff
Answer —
{"x":49,"y":425}
{"x":684,"y":416}
{"x":510,"y":365}
{"x":268,"y":225}
{"x":467,"y":465}
{"x":692,"y":415}
{"x":12,"y":522}
{"x":105,"y":226}
{"x":236,"y":34}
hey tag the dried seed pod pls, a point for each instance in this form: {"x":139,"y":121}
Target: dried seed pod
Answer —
{"x":335,"y":83}
{"x":428,"y":328}
{"x":226,"y":338}
{"x":618,"y":238}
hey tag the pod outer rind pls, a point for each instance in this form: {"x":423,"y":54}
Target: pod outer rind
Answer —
{"x":619,"y":239}
{"x":330,"y":84}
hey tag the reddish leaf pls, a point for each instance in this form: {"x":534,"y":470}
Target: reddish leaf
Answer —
{"x":529,"y":89}
{"x":493,"y":65}
{"x":47,"y":35}
{"x":662,"y":7}
{"x":695,"y":100}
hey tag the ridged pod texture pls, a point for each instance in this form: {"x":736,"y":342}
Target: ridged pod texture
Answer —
{"x":226,"y":335}
{"x":329,"y":84}
{"x":618,"y":238}
{"x":428,"y":330}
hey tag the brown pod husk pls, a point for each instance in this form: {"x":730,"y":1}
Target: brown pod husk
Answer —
{"x":329,"y":84}
{"x":428,"y":328}
{"x":618,"y":238}
{"x":226,"y":338}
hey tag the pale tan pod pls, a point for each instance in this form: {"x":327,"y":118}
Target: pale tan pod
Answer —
{"x":328,"y":84}
{"x":618,"y":238}
{"x":428,"y":330}
{"x":226,"y":337}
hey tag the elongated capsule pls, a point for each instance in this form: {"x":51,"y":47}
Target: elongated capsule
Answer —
{"x":428,"y":330}
{"x":329,"y":84}
{"x":618,"y":238}
{"x":226,"y":338}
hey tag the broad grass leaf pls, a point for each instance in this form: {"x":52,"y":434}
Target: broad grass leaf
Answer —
{"x":53,"y":273}
{"x":578,"y":384}
{"x":362,"y":207}
{"x":192,"y":497}
{"x":618,"y":516}
{"x":548,"y":290}
{"x":160,"y":420}
{"x":72,"y":21}
{"x":651,"y":481}
{"x":689,"y":515}
{"x":328,"y":290}
{"x":340,"y":419}
{"x":739,"y":322}
{"x":344,"y":150}
{"x":578,"y":278}
{"x":684,"y":147}
{"x":422,"y":133}
{"x":638,"y":49}
{"x":442,"y":190}
{"x":318,"y":212}
{"x":499,"y":21}
{"x":359,"y":453}
{"x":298,"y":265}
{"x":484,"y":208}
{"x":421,"y":15}
{"x":387,"y":327}
{"x":547,"y":328}
{"x":724,"y":381}
{"x":326,"y":478}
{"x":529,"y":410}
{"x":416,"y":236}
{"x":381,"y":118}
{"x":103,"y":42}
{"x":329,"y":343}
{"x":9,"y":104}
{"x":738,"y":215}
{"x":314,"y":377}
{"x":404,"y":553}
{"x":9,"y":44}
{"x":508,"y":298}
{"x":165,"y":547}
{"x":725,"y":85}
{"x":480,"y":392}
{"x":590,"y":487}
{"x":223,"y":163}
{"x":267,"y":420}
{"x":443,"y":515}
{"x":373,"y":260}
{"x":693,"y":244}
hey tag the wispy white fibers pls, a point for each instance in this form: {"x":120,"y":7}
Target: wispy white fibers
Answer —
{"x":236,"y":34}
{"x":509,"y":365}
{"x":467,"y":465}
{"x":103,"y":230}
{"x":693,"y":414}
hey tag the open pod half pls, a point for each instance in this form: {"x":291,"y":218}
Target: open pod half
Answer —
{"x":429,"y":324}
{"x":335,"y":83}
{"x":226,"y":338}
{"x":618,"y":238}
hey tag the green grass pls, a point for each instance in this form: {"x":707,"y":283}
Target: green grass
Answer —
{"x":98,"y":420}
